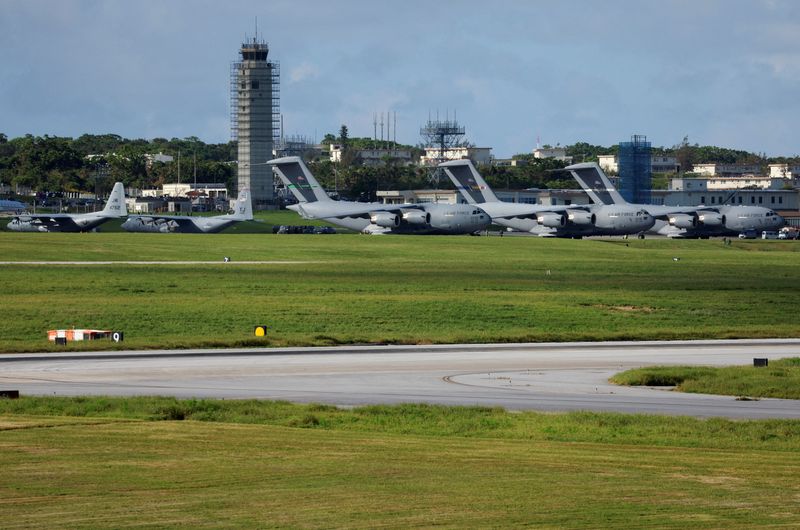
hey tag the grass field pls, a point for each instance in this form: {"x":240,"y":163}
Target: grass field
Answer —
{"x":780,"y":380}
{"x":361,"y":289}
{"x":104,"y":462}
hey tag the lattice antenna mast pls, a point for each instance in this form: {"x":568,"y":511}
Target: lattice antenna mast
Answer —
{"x":439,"y":137}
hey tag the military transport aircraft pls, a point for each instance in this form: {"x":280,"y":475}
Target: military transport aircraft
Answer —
{"x":546,"y":221}
{"x":63,"y":222}
{"x":375,"y":217}
{"x":679,"y":221}
{"x":192,"y":225}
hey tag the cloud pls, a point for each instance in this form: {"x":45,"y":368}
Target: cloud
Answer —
{"x":303,"y":72}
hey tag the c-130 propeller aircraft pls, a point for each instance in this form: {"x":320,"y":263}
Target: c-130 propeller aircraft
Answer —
{"x":83,"y":222}
{"x":192,"y":225}
{"x":375,"y":217}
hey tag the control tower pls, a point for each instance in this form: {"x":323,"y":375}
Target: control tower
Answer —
{"x":255,"y":119}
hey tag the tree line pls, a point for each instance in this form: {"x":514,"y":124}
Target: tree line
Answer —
{"x":94,"y":162}
{"x":91,"y":162}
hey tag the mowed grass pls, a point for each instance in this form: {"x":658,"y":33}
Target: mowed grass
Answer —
{"x":781,"y":379}
{"x":393,"y":289}
{"x":109,"y":462}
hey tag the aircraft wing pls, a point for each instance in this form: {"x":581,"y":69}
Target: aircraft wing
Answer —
{"x":528,"y":211}
{"x":171,"y":223}
{"x":664,"y":212}
{"x":353,"y":210}
{"x":49,"y":220}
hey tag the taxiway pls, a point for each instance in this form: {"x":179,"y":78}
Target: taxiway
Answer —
{"x":547,"y":377}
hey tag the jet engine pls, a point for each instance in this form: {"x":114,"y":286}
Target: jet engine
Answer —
{"x":582,"y":218}
{"x":712,"y":219}
{"x":385,"y":219}
{"x":683,"y":220}
{"x":416,"y":217}
{"x":551,"y":220}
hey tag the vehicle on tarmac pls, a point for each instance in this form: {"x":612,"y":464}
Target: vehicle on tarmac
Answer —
{"x":63,"y":222}
{"x":193,"y":225}
{"x":680,"y":221}
{"x":375,"y":217}
{"x":748,"y":234}
{"x":769,"y":234}
{"x":546,"y":221}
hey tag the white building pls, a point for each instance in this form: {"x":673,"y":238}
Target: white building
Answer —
{"x":375,"y":157}
{"x":145,"y":205}
{"x":784,"y":171}
{"x":658,"y":163}
{"x":726,"y":170}
{"x":478,"y":155}
{"x":212,"y":191}
{"x":559,"y":153}
{"x":726,"y":183}
{"x":776,"y":199}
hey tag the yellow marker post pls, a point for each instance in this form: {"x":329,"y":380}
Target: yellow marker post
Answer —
{"x":261,"y":331}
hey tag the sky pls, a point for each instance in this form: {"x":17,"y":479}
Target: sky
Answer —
{"x":722,"y":72}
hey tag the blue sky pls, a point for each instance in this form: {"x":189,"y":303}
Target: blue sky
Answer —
{"x":723,"y":72}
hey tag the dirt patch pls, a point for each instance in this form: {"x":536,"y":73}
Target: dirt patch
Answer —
{"x":626,"y":308}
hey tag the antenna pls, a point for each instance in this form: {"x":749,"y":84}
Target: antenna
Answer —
{"x":256,"y":37}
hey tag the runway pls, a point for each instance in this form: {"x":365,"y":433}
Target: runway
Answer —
{"x":545,"y":377}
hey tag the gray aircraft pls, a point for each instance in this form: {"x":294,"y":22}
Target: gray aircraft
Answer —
{"x":546,"y":221}
{"x":375,"y":217}
{"x":63,"y":222}
{"x":679,"y":221}
{"x":192,"y":225}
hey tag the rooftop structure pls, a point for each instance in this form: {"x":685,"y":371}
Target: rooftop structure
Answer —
{"x":295,"y":145}
{"x":440,"y":137}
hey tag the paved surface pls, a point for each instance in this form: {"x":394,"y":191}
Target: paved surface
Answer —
{"x":549,"y":377}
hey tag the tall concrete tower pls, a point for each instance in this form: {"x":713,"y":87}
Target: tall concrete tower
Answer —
{"x":255,"y":118}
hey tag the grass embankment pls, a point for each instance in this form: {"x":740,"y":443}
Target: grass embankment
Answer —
{"x":397,"y":289}
{"x":781,"y":379}
{"x":108,"y":462}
